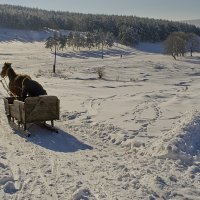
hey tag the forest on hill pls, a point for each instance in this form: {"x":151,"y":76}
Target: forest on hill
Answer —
{"x":127,"y":30}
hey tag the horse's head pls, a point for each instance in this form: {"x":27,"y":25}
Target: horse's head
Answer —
{"x":4,"y":69}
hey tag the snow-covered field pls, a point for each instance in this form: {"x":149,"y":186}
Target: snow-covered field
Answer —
{"x":133,"y":135}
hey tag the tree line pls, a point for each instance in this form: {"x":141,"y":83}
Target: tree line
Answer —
{"x":128,"y":30}
{"x":76,"y":40}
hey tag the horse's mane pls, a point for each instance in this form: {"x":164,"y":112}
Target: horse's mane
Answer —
{"x":11,"y":73}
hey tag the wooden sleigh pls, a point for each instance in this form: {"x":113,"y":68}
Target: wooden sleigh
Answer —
{"x":36,"y":110}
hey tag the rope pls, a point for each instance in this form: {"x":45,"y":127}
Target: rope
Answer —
{"x":5,"y":86}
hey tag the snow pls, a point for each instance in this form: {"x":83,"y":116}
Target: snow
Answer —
{"x":135,"y":134}
{"x":151,"y":47}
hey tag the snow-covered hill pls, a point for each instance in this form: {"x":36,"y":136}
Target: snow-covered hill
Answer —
{"x":132,"y":135}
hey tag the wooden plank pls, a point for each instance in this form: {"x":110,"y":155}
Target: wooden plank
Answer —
{"x":17,"y":110}
{"x":6,"y":105}
{"x":43,"y":108}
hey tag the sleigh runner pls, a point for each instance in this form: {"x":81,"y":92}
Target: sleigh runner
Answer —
{"x":33,"y":110}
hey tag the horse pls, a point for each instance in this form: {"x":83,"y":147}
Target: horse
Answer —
{"x":15,"y":80}
{"x":32,"y":89}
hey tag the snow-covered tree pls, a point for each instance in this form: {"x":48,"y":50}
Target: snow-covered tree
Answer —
{"x":178,"y":43}
{"x":193,"y":43}
{"x":89,"y":41}
{"x":53,"y":42}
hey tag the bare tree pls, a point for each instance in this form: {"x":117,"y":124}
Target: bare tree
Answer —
{"x":175,"y":44}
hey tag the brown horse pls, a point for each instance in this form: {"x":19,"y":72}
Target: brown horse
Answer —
{"x":15,"y":80}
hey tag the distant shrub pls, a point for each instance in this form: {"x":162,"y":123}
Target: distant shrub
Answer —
{"x":100,"y":72}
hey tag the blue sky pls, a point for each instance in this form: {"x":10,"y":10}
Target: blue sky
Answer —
{"x":159,"y":9}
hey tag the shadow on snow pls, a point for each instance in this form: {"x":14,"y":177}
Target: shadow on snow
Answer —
{"x":96,"y":53}
{"x":58,"y":142}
